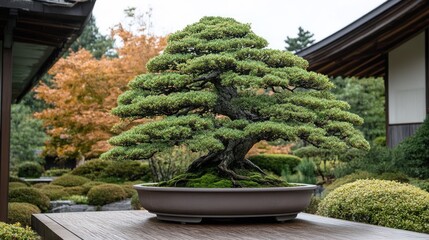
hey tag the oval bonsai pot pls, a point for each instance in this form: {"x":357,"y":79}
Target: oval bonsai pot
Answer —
{"x":193,"y":204}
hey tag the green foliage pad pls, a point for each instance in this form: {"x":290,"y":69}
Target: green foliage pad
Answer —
{"x":218,"y":90}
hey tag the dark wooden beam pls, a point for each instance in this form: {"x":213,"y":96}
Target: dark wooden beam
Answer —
{"x":5,"y":105}
{"x":386,"y":96}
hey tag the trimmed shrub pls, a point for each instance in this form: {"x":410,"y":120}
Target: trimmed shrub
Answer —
{"x":276,"y":163}
{"x":13,"y":185}
{"x":106,"y":193}
{"x":30,"y":195}
{"x":77,"y":190}
{"x":39,"y":185}
{"x":314,"y":205}
{"x":92,"y":169}
{"x":30,"y":170}
{"x":349,"y":179}
{"x":21,"y":212}
{"x":422,"y":184}
{"x":70,"y":181}
{"x":54,"y":192}
{"x":399,"y":177}
{"x":87,"y":186}
{"x":15,"y":231}
{"x":56,"y":172}
{"x":380,"y":141}
{"x":17,"y":179}
{"x":127,"y":171}
{"x":129,"y":190}
{"x":412,"y":155}
{"x":135,"y":202}
{"x":379,"y":202}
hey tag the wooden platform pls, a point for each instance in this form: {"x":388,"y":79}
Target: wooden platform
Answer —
{"x":143,"y":225}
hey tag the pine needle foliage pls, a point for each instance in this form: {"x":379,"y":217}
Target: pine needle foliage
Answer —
{"x":219,"y":90}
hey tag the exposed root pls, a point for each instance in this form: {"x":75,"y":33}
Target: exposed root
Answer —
{"x":254,"y":166}
{"x":197,"y":164}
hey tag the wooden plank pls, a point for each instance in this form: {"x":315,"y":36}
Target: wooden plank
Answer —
{"x":398,"y":132}
{"x":125,"y":225}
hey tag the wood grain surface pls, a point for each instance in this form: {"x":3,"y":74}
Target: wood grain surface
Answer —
{"x":132,"y":225}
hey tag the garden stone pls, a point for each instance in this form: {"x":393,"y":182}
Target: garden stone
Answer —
{"x":118,"y":206}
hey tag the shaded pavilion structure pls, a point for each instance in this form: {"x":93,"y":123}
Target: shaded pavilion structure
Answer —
{"x":391,"y":41}
{"x":34,"y":34}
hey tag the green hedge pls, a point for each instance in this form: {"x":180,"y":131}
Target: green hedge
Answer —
{"x":70,"y":181}
{"x":412,"y":155}
{"x":54,"y":192}
{"x":87,"y":186}
{"x":16,"y":232}
{"x":13,"y":185}
{"x":276,"y":163}
{"x":30,"y":170}
{"x":56,"y":172}
{"x":106,"y":193}
{"x":92,"y":169}
{"x":379,"y":202}
{"x":21,"y":212}
{"x":114,"y":171}
{"x":30,"y":195}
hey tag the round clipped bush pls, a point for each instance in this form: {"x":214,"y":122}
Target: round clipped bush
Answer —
{"x":135,"y":202}
{"x":92,"y":169}
{"x":30,"y":170}
{"x":21,"y":212}
{"x":54,"y":192}
{"x":276,"y":163}
{"x":127,"y":170}
{"x":39,"y":185}
{"x":15,"y":231}
{"x":87,"y":186}
{"x":13,"y":185}
{"x":379,"y":202}
{"x":17,"y":179}
{"x":30,"y":195}
{"x":129,"y":190}
{"x":70,"y":181}
{"x":106,"y":193}
{"x":77,"y":190}
{"x":56,"y":172}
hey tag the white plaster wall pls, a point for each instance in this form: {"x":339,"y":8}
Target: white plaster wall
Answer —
{"x":407,"y":99}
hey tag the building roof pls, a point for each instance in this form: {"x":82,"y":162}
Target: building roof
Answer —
{"x":43,"y":31}
{"x":360,"y":48}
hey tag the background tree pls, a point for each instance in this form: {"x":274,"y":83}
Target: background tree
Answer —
{"x":207,"y":84}
{"x":303,"y":40}
{"x":92,"y":40}
{"x":83,"y":91}
{"x":27,"y":136}
{"x":366,"y":98}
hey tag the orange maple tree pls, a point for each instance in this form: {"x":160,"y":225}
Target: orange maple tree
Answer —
{"x":84,"y":90}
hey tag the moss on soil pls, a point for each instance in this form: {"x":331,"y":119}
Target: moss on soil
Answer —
{"x":212,"y":178}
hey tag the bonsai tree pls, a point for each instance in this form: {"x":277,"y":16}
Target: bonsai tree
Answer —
{"x":218,"y":90}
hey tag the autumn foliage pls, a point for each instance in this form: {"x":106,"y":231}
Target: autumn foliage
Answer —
{"x":84,"y":90}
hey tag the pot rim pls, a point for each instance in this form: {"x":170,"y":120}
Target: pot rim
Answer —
{"x":152,"y":187}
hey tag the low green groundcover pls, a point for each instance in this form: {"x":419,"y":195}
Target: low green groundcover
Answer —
{"x":214,"y":179}
{"x":379,"y":202}
{"x":21,"y":212}
{"x":15,"y":232}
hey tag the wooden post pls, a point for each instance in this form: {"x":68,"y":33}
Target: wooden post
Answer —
{"x":5,"y":105}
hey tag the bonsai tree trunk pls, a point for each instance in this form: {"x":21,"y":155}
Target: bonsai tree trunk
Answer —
{"x":233,"y":155}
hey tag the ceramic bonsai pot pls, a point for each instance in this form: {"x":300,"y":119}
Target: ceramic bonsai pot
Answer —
{"x":191,"y":205}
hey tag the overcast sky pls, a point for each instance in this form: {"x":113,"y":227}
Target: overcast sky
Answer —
{"x":271,"y":19}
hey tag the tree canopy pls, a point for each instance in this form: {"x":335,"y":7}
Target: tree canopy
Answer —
{"x":26,"y":135}
{"x":219,"y":90}
{"x":303,"y":40}
{"x":82,"y":91}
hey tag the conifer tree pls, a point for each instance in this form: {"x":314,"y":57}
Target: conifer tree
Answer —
{"x":218,"y":90}
{"x":303,"y":40}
